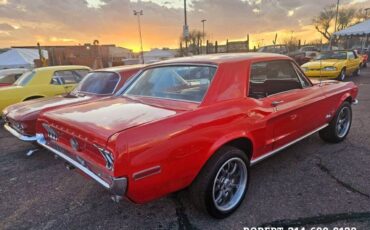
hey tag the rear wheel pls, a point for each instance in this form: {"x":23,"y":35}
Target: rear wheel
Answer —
{"x":342,"y":75}
{"x":339,"y":127}
{"x":220,"y":187}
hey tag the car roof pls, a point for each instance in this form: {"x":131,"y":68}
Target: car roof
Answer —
{"x":118,"y":69}
{"x":61,"y":67}
{"x":221,"y":58}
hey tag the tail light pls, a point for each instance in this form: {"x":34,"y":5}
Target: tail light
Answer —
{"x":108,"y":157}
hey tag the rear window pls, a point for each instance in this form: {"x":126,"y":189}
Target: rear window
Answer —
{"x":187,"y":83}
{"x":99,"y":83}
{"x":25,"y":78}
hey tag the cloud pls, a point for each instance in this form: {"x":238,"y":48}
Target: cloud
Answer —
{"x":6,"y":27}
{"x":112,"y":21}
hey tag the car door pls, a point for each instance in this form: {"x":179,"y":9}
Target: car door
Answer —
{"x":352,"y":62}
{"x":291,"y":98}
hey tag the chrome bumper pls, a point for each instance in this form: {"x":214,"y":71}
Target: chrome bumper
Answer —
{"x":117,"y":186}
{"x":355,"y":102}
{"x":18,"y":135}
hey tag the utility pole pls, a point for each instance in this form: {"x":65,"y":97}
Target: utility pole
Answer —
{"x":186,"y":28}
{"x":204,"y":34}
{"x":138,"y":14}
{"x":335,"y":25}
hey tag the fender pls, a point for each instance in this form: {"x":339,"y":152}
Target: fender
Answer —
{"x":225,"y":139}
{"x":344,"y":97}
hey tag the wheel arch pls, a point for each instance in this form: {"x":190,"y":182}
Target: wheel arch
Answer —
{"x":33,"y":97}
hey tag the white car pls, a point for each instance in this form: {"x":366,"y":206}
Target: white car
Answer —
{"x":9,"y":76}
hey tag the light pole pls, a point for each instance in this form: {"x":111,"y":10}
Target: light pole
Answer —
{"x":138,"y":14}
{"x":204,"y":34}
{"x":335,"y":25}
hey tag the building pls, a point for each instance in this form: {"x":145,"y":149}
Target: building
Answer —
{"x":93,"y":55}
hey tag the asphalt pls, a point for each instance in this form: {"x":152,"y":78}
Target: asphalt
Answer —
{"x":310,"y":184}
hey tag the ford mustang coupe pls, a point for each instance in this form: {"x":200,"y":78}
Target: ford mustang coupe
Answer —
{"x":20,"y":119}
{"x":197,"y":122}
{"x":42,"y":82}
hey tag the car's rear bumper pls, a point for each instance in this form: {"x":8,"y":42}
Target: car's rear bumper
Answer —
{"x":117,"y":186}
{"x":20,"y":136}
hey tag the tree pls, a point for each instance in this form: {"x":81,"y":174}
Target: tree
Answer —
{"x":326,"y":19}
{"x":194,"y":41}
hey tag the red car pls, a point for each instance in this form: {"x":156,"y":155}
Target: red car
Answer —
{"x":20,"y":119}
{"x":197,"y":122}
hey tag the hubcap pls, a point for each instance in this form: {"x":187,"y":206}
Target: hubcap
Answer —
{"x":343,"y":75}
{"x":343,"y":122}
{"x":229,"y":184}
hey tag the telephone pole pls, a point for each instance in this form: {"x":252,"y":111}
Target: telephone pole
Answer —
{"x":139,"y":14}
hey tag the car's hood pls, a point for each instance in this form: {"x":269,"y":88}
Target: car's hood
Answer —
{"x":317,"y":64}
{"x":106,"y":117}
{"x":25,"y":110}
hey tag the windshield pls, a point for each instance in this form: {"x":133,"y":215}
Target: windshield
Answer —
{"x":332,"y":55}
{"x":98,"y":83}
{"x":25,"y":78}
{"x":188,"y":83}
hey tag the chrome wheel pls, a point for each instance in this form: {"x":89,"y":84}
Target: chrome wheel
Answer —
{"x":230,"y":184}
{"x":343,"y":122}
{"x":342,"y":75}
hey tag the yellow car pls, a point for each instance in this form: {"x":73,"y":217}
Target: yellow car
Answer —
{"x":334,"y":64}
{"x":42,"y":82}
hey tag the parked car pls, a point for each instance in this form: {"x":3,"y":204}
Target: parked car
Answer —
{"x":42,"y":82}
{"x":20,"y":119}
{"x":298,"y":56}
{"x":9,"y":76}
{"x":363,"y":56}
{"x":197,"y":122}
{"x":310,"y":51}
{"x":334,"y":64}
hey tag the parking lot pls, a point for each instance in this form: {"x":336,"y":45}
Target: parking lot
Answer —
{"x":310,"y":184}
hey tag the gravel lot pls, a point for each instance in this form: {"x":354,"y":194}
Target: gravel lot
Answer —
{"x":310,"y":184}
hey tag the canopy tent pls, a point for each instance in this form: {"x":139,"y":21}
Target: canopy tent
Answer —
{"x":20,"y":58}
{"x":360,"y":29}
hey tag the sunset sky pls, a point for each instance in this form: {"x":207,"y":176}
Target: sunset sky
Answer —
{"x":71,"y":22}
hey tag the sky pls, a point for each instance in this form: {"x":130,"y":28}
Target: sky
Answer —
{"x":72,"y":22}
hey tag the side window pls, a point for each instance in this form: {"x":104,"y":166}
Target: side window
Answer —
{"x":351,"y":55}
{"x":80,"y":73}
{"x":268,"y":78}
{"x":65,"y":77}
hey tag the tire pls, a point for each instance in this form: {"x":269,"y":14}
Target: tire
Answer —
{"x":342,"y":75}
{"x":213,"y":183}
{"x":333,"y":133}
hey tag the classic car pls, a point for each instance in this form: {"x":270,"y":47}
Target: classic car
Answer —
{"x":197,"y":122}
{"x":297,"y":55}
{"x":334,"y":64}
{"x":20,"y":119}
{"x":9,"y":76}
{"x":42,"y":82}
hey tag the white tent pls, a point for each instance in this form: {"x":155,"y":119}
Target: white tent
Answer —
{"x":20,"y":58}
{"x":360,"y":29}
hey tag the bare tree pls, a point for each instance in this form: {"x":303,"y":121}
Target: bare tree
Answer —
{"x":194,"y":41}
{"x":325,"y":20}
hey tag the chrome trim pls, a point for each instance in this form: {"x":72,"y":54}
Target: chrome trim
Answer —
{"x":355,"y":102}
{"x":18,"y":135}
{"x":117,"y":186}
{"x":147,"y":172}
{"x":267,"y":155}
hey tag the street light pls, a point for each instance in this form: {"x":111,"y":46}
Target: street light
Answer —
{"x":335,"y":26}
{"x":138,"y":14}
{"x":204,"y":34}
{"x":186,"y":27}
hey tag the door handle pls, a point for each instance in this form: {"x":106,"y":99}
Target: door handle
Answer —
{"x":276,"y":103}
